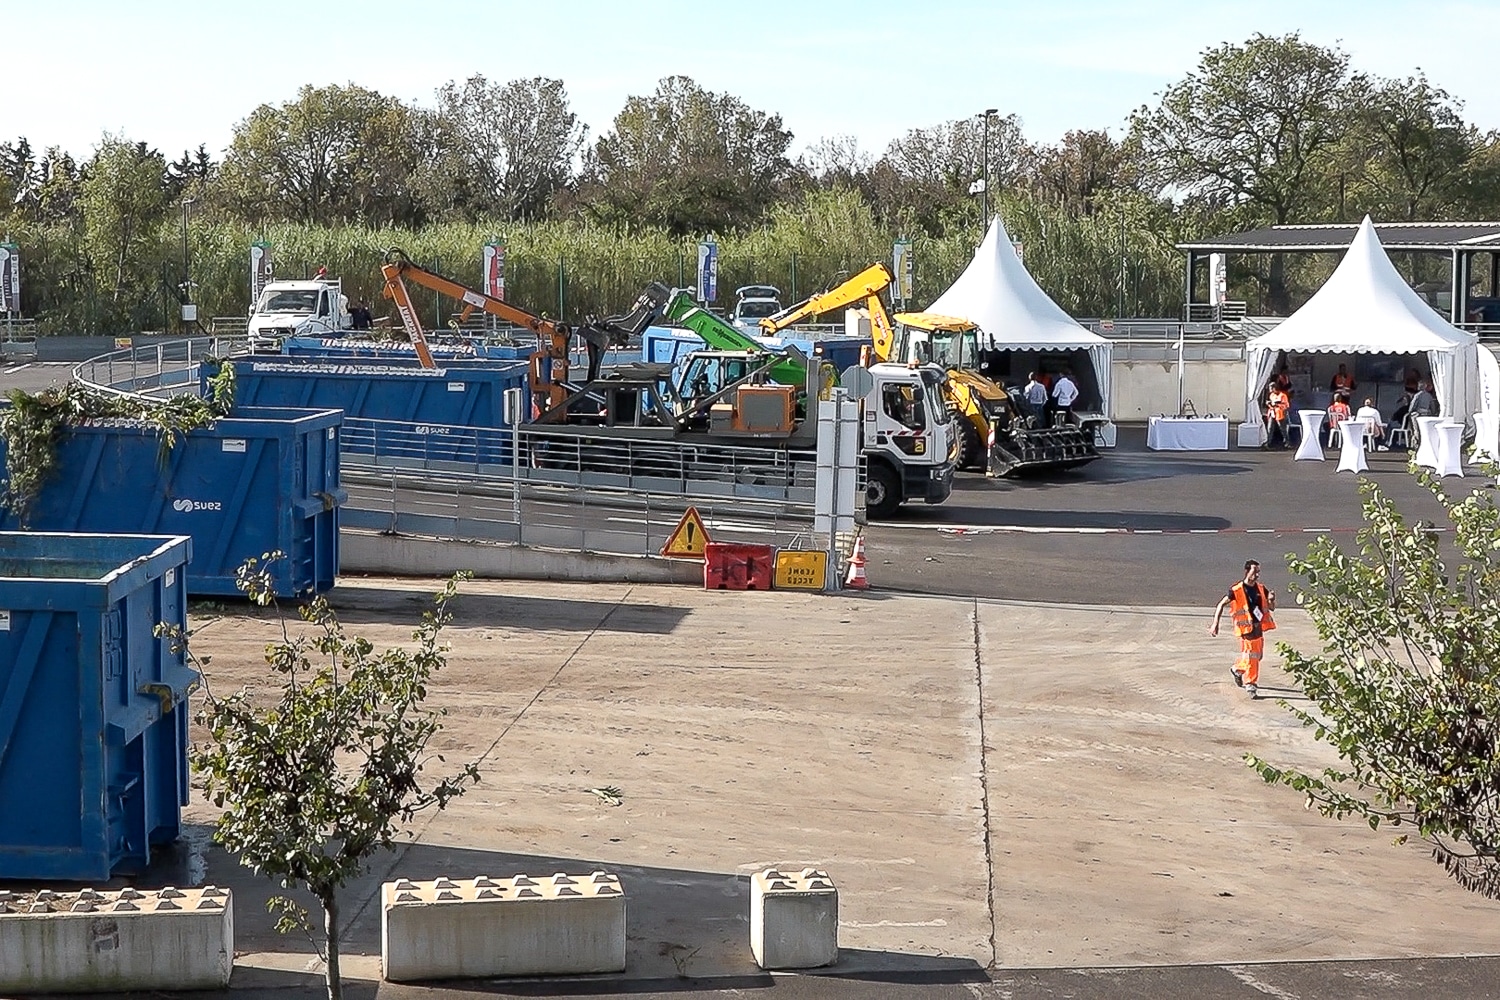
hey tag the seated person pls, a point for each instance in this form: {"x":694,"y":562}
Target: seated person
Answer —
{"x":1371,"y":418}
{"x":1342,"y":381}
{"x":1337,"y":413}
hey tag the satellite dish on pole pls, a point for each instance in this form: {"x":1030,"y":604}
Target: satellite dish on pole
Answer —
{"x":858,"y":381}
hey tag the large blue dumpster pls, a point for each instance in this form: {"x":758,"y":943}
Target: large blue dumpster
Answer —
{"x":467,"y":395}
{"x":266,"y":479}
{"x":93,"y":706}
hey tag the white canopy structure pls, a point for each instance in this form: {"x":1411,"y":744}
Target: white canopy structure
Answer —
{"x":997,"y":292}
{"x":1366,"y":307}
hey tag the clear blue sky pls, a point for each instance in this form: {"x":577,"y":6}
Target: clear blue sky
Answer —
{"x":175,"y":74}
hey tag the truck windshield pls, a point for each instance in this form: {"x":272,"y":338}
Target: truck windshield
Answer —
{"x":955,"y":349}
{"x":939,"y":411}
{"x":287,"y":301}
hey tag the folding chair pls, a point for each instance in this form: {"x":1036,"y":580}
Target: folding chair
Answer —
{"x":1403,"y":431}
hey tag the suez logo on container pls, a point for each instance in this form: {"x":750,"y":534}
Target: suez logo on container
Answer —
{"x":185,"y":506}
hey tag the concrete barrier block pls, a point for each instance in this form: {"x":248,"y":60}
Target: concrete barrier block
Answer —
{"x":794,"y":919}
{"x":518,"y":926}
{"x":104,"y":942}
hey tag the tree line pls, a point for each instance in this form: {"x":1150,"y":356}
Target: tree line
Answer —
{"x":1271,"y":130}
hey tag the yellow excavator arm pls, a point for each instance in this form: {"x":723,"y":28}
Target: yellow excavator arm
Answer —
{"x":865,"y":287}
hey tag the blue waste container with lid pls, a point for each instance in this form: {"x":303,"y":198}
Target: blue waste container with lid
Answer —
{"x":93,"y":704}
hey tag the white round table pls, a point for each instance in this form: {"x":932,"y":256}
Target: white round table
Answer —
{"x":1310,"y":449}
{"x":1427,"y":446}
{"x":1352,"y":452}
{"x":1486,"y":438}
{"x":1449,"y":446}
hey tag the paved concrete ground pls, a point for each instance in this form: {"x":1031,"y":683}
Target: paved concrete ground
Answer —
{"x":1016,"y":788}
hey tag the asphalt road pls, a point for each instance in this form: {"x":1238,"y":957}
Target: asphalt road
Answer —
{"x":1136,"y":527}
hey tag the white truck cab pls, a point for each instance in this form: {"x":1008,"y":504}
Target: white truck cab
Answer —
{"x":316,"y":307}
{"x":907,"y":436}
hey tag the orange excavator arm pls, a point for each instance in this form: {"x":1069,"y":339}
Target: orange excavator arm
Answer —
{"x":553,"y":356}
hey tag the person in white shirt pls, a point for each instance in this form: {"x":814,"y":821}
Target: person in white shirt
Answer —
{"x":1035,"y":395}
{"x":1372,"y":418}
{"x":1064,"y":395}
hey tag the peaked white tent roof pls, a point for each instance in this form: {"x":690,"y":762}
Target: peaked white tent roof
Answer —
{"x":998,"y":293}
{"x":1365,"y":307}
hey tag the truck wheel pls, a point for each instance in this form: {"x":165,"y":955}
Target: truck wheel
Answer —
{"x":970,"y":445}
{"x":882,"y":492}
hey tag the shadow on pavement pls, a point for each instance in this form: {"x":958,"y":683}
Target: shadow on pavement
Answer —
{"x":357,"y":606}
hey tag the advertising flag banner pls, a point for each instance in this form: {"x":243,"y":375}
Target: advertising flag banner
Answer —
{"x":901,"y":268}
{"x":10,"y":278}
{"x":494,"y":269}
{"x":708,"y":271}
{"x":260,"y":270}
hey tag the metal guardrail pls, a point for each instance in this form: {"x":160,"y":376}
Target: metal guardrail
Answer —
{"x":569,"y":458}
{"x":584,"y":519}
{"x":153,"y":369}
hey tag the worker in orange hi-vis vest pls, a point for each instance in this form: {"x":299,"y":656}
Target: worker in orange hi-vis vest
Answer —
{"x":1251,"y":605}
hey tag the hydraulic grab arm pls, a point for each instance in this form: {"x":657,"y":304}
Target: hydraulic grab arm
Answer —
{"x":866,"y":287}
{"x":549,"y":365}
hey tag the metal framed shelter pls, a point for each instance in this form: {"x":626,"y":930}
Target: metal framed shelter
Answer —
{"x":1473,"y":249}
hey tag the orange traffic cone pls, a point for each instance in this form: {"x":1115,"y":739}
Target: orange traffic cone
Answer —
{"x":857,"y":579}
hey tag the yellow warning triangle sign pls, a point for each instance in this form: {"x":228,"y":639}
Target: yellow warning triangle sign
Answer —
{"x":688,"y":539}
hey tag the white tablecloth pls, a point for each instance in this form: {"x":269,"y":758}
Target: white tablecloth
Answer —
{"x":1427,"y":441}
{"x":1187,"y":434}
{"x":1352,"y":450}
{"x":1448,"y":443}
{"x":1311,"y":449}
{"x":1486,"y":438}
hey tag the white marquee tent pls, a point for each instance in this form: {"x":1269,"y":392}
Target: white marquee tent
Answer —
{"x":997,"y":292}
{"x":1366,"y":307}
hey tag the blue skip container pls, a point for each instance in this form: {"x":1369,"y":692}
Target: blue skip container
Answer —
{"x":266,"y":479}
{"x":470,"y":394}
{"x":93,"y":706}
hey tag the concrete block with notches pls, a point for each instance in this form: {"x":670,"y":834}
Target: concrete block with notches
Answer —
{"x":794,"y":919}
{"x":83,"y":941}
{"x":519,"y":926}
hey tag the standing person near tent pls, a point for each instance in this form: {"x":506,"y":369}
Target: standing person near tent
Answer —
{"x":1342,"y":382}
{"x":1278,"y":408}
{"x":1035,"y":395}
{"x":1250,"y":605}
{"x":1064,"y":395}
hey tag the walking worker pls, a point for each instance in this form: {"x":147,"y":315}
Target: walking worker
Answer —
{"x":1035,"y":395}
{"x":1064,"y":395}
{"x":1251,"y":605}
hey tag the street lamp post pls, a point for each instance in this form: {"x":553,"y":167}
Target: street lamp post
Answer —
{"x":985,"y":191}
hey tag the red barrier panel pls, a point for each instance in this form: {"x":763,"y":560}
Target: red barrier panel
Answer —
{"x":736,"y":566}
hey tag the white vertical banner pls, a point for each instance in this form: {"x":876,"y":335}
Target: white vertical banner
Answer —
{"x":261,"y":270}
{"x":10,"y":278}
{"x":494,"y":269}
{"x":901,"y":267}
{"x":1218,"y":279}
{"x":1489,"y":379}
{"x":708,"y":271}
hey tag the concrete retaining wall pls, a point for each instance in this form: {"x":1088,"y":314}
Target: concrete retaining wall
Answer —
{"x":520,"y":926}
{"x":404,"y":555}
{"x":101,"y":942}
{"x":1145,"y":388}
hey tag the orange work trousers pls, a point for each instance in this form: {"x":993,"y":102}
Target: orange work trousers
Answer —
{"x":1251,"y":651}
